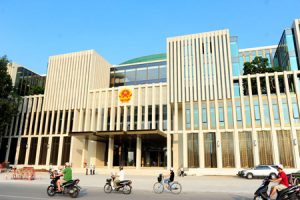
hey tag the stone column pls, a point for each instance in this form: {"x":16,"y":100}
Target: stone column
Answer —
{"x":138,"y":151}
{"x":169,"y":151}
{"x":110,"y":158}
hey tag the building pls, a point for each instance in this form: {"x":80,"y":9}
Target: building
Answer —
{"x":24,"y":80}
{"x":191,"y":107}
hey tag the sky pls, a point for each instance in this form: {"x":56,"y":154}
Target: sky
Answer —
{"x":120,"y":30}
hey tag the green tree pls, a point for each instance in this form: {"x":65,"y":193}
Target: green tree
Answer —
{"x":8,"y":100}
{"x":259,"y":65}
{"x":36,"y":89}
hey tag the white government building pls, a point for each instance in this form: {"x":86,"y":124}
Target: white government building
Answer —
{"x":191,"y":107}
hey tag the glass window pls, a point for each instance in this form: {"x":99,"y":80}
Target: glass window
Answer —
{"x":196,"y":116}
{"x":130,"y":75}
{"x":229,"y":113}
{"x":238,"y":113}
{"x":153,"y":73}
{"x":266,"y":113}
{"x":275,"y":112}
{"x":285,"y":111}
{"x":141,"y":74}
{"x":204,"y":115}
{"x":221,"y":114}
{"x":162,"y":72}
{"x":248,"y":114}
{"x":193,"y":150}
{"x":295,"y":110}
{"x":212,"y":116}
{"x":188,"y":118}
{"x":236,"y":88}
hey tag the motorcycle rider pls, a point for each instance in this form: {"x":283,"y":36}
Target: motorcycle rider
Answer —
{"x":67,"y":173}
{"x":119,"y":177}
{"x":283,"y":181}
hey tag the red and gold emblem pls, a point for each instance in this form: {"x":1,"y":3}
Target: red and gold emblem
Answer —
{"x":125,"y":95}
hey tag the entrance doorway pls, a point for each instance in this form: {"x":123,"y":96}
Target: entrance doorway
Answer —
{"x":124,"y":150}
{"x":154,"y":151}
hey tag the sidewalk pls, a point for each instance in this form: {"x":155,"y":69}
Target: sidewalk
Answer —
{"x":231,"y":184}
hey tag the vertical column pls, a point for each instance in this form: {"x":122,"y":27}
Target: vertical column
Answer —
{"x":237,"y":157}
{"x":275,"y":146}
{"x":110,"y":152}
{"x":49,"y":151}
{"x":169,"y":151}
{"x":255,"y":148}
{"x":8,"y":148}
{"x":27,"y":150}
{"x":295,"y":148}
{"x":38,"y":150}
{"x":17,"y":150}
{"x":60,"y":148}
{"x":219,"y":149}
{"x":138,"y":151}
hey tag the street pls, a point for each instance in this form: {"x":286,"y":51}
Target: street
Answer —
{"x":23,"y":191}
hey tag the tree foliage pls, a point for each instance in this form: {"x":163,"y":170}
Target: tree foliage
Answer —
{"x":36,"y":89}
{"x":8,"y":100}
{"x":259,"y":65}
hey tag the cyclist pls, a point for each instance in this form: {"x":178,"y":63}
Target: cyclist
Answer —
{"x":171,"y":177}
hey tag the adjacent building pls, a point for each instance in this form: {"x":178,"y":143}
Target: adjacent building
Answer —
{"x":191,"y":107}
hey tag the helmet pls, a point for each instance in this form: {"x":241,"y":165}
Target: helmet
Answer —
{"x":171,"y":169}
{"x":280,"y":166}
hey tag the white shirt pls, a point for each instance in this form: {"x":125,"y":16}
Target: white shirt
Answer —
{"x":121,"y":175}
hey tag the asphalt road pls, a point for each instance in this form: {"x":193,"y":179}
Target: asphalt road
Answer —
{"x":21,"y":191}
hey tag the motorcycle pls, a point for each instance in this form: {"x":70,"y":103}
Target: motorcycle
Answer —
{"x":71,"y":187}
{"x":123,"y":186}
{"x":290,"y":193}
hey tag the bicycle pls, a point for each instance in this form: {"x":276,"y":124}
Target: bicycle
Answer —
{"x":159,"y":186}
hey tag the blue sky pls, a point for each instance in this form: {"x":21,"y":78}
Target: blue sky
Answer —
{"x":119,"y":30}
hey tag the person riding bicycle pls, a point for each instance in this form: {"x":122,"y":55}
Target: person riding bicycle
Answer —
{"x":171,"y":178}
{"x":119,"y":177}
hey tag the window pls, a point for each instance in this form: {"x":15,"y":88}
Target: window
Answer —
{"x":196,"y":116}
{"x":153,"y":73}
{"x":188,"y":118}
{"x":204,"y":115}
{"x":130,"y":75}
{"x":162,"y":72}
{"x":141,"y":74}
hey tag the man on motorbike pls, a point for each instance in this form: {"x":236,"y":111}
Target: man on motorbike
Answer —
{"x":67,"y":173}
{"x":119,"y":177}
{"x":283,"y":181}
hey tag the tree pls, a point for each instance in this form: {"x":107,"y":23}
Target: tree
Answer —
{"x":259,"y":65}
{"x":36,"y":89}
{"x":8,"y":100}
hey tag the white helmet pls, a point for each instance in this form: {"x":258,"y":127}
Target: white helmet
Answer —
{"x":171,"y":168}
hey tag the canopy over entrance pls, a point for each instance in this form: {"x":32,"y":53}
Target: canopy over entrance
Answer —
{"x":121,"y":132}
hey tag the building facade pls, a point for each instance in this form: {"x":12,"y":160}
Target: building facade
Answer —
{"x":191,"y":107}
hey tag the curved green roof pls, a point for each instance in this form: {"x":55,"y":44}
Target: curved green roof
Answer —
{"x":149,"y":58}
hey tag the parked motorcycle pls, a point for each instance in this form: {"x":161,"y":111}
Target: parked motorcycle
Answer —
{"x":290,"y":193}
{"x":71,"y":187}
{"x":124,"y":186}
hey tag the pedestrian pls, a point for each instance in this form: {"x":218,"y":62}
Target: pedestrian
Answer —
{"x":93,"y":169}
{"x":181,"y":172}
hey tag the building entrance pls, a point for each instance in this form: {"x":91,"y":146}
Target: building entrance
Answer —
{"x":124,"y":150}
{"x":153,"y":150}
